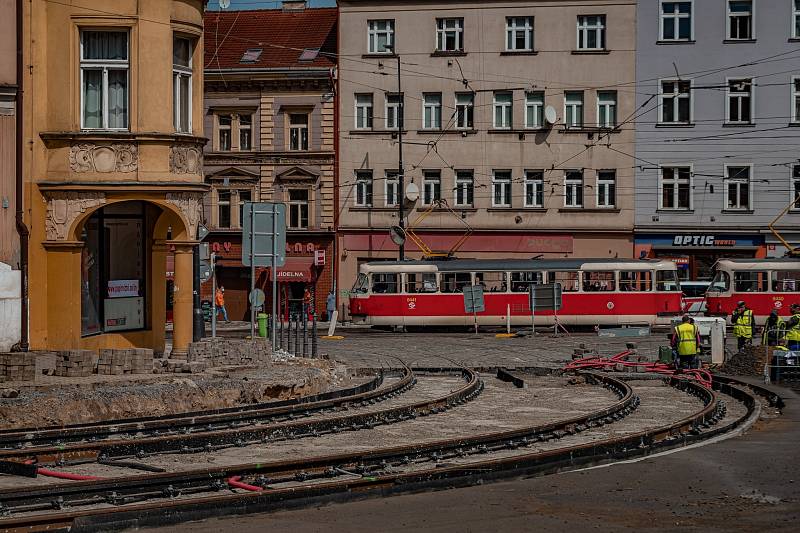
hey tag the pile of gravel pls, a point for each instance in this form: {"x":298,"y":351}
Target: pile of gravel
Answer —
{"x":748,"y":362}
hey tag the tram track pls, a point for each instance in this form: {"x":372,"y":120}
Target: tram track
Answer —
{"x":139,"y":500}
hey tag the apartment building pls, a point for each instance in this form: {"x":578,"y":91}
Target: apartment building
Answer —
{"x":112,"y":164}
{"x":517,"y":114}
{"x":716,"y":134}
{"x":269,"y":112}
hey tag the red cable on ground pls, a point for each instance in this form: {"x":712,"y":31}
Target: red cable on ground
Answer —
{"x":603,"y":363}
{"x":235,"y":483}
{"x":61,"y":475}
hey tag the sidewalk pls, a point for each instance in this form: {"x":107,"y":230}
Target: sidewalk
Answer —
{"x":239,"y":325}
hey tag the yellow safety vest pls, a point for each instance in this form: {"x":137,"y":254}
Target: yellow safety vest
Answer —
{"x":793,"y":333}
{"x":776,"y":331}
{"x":744,"y":325}
{"x":687,"y":339}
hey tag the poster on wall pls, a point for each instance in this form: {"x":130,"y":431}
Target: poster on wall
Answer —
{"x":123,"y":314}
{"x":123,"y":288}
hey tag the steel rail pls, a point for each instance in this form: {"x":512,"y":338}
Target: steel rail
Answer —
{"x":209,"y":441}
{"x":210,"y":479}
{"x":675,"y":434}
{"x":12,"y":441}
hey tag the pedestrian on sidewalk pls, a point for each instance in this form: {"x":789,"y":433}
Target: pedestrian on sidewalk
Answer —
{"x":307,"y":303}
{"x":743,"y":325}
{"x":220,"y":298}
{"x":330,"y":305}
{"x":793,"y":329}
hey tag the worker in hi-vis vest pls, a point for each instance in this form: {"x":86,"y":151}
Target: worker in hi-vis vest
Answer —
{"x":774,"y":330}
{"x":743,"y":325}
{"x":686,"y":343}
{"x":793,"y":329}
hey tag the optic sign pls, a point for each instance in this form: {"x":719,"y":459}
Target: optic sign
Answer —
{"x":123,"y":288}
{"x":701,"y":240}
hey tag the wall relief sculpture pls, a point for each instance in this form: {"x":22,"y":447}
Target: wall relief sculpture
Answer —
{"x":185,"y":160}
{"x":117,"y":157}
{"x":191,"y":205}
{"x":64,"y":207}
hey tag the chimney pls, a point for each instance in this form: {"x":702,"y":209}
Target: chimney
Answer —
{"x":294,"y":5}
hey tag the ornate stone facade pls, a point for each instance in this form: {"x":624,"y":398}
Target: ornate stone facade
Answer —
{"x":64,"y":207}
{"x":191,"y":205}
{"x":117,"y":157}
{"x":185,"y":160}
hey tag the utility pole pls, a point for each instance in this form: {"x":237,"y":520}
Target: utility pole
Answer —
{"x":400,"y":178}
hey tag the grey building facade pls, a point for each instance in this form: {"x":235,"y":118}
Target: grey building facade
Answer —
{"x":716,"y":158}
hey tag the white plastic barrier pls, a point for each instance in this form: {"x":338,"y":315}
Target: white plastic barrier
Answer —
{"x":10,"y":307}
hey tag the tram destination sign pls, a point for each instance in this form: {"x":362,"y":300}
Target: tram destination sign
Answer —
{"x":545,"y":297}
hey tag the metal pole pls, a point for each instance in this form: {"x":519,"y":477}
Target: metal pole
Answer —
{"x":198,"y":325}
{"x":289,"y":334}
{"x":253,"y":268}
{"x":314,"y":334}
{"x":533,"y":309}
{"x":400,"y":177}
{"x":296,"y":337}
{"x":305,"y":333}
{"x":213,"y":295}
{"x":274,"y":273}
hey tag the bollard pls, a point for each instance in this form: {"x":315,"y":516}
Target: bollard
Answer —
{"x":305,"y":334}
{"x":280,"y":331}
{"x":314,"y":335}
{"x":296,"y":335}
{"x":289,"y":334}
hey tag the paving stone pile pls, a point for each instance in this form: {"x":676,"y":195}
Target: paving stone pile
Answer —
{"x":76,"y":363}
{"x":127,"y":361}
{"x":17,"y":366}
{"x":223,"y":352}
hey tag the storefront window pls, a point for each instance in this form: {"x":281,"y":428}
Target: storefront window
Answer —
{"x":112,"y":273}
{"x":750,"y":281}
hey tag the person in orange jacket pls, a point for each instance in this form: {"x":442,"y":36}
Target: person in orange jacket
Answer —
{"x":220,"y":301}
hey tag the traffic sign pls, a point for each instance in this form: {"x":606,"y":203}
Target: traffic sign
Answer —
{"x":473,"y":299}
{"x":256,"y":298}
{"x":202,"y":232}
{"x":258,"y":234}
{"x":205,"y":271}
{"x":545,"y":297}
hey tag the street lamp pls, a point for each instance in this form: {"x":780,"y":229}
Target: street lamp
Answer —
{"x":400,"y":177}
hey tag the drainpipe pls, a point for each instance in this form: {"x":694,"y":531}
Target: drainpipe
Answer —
{"x":335,"y":258}
{"x":22,"y":229}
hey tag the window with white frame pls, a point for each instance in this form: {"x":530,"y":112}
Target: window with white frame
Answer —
{"x":740,"y":101}
{"x":298,"y":208}
{"x":465,"y":111}
{"x":392,"y":188}
{"x":676,"y":103}
{"x":796,"y":99}
{"x":606,"y":188}
{"x":245,"y":132}
{"x":573,"y":109}
{"x":182,"y":84}
{"x":450,"y":35}
{"x":224,"y":131}
{"x":501,"y":188}
{"x":795,"y":190}
{"x":573,"y":188}
{"x":298,"y":131}
{"x":104,"y":79}
{"x":591,"y":32}
{"x":519,"y":34}
{"x":740,"y":19}
{"x":534,"y":188}
{"x":363,"y":111}
{"x":676,"y":188}
{"x":393,"y":107}
{"x":431,"y":186}
{"x":465,"y":188}
{"x":737,"y":187}
{"x":606,"y":109}
{"x":363,"y":197}
{"x":380,"y":36}
{"x":432,"y":111}
{"x":676,"y":21}
{"x":503,"y":106}
{"x":796,"y":19}
{"x":534,"y":109}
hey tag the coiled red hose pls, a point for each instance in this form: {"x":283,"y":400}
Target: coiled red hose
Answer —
{"x":602,"y":363}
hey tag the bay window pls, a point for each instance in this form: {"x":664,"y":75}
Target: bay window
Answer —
{"x":104,"y":66}
{"x":182,"y":84}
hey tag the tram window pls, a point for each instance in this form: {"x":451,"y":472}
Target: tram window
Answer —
{"x":421,"y":282}
{"x":570,"y":280}
{"x":636,"y":281}
{"x":598,"y":281}
{"x":455,"y":281}
{"x":384,"y":283}
{"x":491,"y":281}
{"x":361,"y":284}
{"x":750,"y":281}
{"x":667,"y":280}
{"x":521,"y":281}
{"x":721,"y":282}
{"x":786,"y":281}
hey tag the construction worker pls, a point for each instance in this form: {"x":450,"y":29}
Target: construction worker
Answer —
{"x":743,"y":325}
{"x":773,"y":329}
{"x":686,"y":343}
{"x":793,"y":329}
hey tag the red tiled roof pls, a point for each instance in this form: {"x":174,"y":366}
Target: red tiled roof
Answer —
{"x":282,"y":36}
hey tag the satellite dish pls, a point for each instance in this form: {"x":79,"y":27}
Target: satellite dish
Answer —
{"x":224,"y":4}
{"x":412,"y":192}
{"x":398,"y":235}
{"x":550,"y":115}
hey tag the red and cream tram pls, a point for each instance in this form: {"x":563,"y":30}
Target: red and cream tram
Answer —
{"x":764,"y":284}
{"x":595,"y":291}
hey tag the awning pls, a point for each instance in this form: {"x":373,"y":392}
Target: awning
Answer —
{"x":295,"y":269}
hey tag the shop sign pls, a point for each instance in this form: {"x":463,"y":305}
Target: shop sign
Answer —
{"x":123,"y":288}
{"x":319,"y":258}
{"x":701,"y":240}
